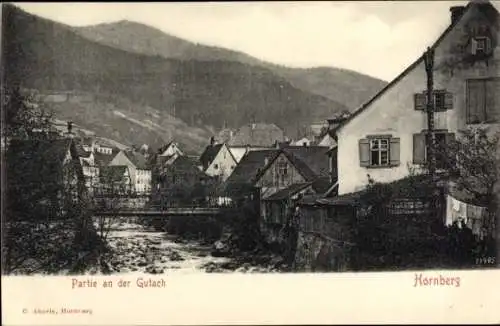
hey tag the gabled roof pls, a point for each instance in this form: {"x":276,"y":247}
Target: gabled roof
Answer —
{"x":311,"y":161}
{"x":104,"y":159}
{"x":139,"y":161}
{"x":257,"y":134}
{"x":165,"y":147}
{"x":210,"y":153}
{"x":186,"y":164}
{"x":113,"y":173}
{"x":250,"y":165}
{"x":484,"y":6}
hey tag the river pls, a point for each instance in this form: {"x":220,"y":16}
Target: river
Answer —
{"x":136,"y":248}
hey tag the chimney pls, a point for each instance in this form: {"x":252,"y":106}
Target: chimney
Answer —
{"x":456,"y":13}
{"x":266,"y":161}
{"x":70,"y":129}
{"x":253,"y":126}
{"x":247,"y":148}
{"x":212,"y":141}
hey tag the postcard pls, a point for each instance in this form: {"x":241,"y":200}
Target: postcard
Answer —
{"x":250,"y":163}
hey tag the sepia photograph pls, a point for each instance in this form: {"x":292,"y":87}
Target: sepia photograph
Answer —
{"x":250,"y":138}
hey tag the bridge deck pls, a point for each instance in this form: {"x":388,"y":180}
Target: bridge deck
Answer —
{"x":190,"y":212}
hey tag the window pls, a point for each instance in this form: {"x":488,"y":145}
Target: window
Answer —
{"x":420,"y":147}
{"x":216,"y":166}
{"x":482,"y":104}
{"x":480,"y":45}
{"x":282,"y":171}
{"x":379,"y":151}
{"x":443,"y":100}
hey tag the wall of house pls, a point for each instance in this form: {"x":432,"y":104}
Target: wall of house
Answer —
{"x":328,"y":141}
{"x":223,"y":164}
{"x":394,"y":113}
{"x":269,"y":181}
{"x":143,"y":181}
{"x":121,"y":159}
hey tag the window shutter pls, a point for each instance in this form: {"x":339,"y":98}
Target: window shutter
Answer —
{"x":475,"y":101}
{"x":364,"y":152}
{"x":488,"y":45}
{"x":419,"y":148}
{"x":420,"y":101}
{"x":394,"y":151}
{"x":492,"y":100}
{"x":473,"y":48}
{"x":448,"y":101}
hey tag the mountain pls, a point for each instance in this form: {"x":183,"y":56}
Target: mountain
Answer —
{"x":344,"y":86}
{"x":204,"y":95}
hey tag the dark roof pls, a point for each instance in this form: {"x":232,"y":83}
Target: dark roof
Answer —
{"x":209,"y":154}
{"x":81,"y":152}
{"x":164,"y":147}
{"x":186,"y":164}
{"x":113,"y":173}
{"x":485,"y":7}
{"x":322,"y":184}
{"x":314,"y":157}
{"x":139,"y":160}
{"x":250,"y":165}
{"x":257,"y":134}
{"x":288,"y":192}
{"x":350,"y":199}
{"x":104,"y":159}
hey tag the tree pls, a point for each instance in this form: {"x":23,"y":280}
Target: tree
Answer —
{"x":473,"y":161}
{"x":23,"y":117}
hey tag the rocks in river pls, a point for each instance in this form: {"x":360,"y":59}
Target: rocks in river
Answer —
{"x":175,"y":256}
{"x":154,"y":269}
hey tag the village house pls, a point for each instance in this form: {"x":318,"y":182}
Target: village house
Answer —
{"x":293,"y":172}
{"x":102,"y":147}
{"x":46,"y":175}
{"x":170,"y":149}
{"x":90,"y":169}
{"x":385,"y":137}
{"x":217,"y":160}
{"x":140,"y":172}
{"x":243,"y":179}
{"x":178,"y":182}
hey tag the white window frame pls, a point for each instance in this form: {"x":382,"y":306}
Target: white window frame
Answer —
{"x":378,"y":141}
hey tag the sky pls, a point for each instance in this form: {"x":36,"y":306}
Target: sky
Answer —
{"x":378,"y":38}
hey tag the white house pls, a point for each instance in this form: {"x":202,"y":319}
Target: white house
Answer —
{"x":217,"y":160}
{"x":385,"y":139}
{"x":140,"y":173}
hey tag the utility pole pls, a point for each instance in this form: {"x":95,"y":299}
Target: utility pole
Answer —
{"x":430,"y":143}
